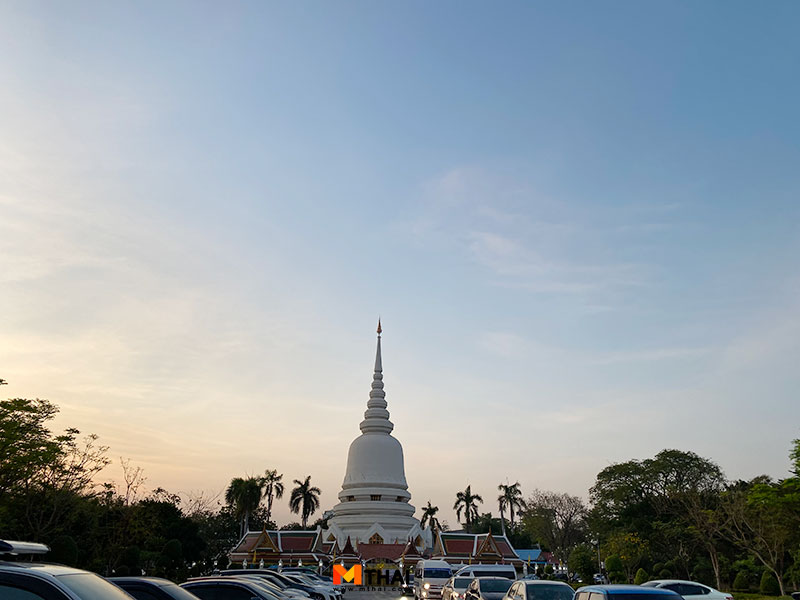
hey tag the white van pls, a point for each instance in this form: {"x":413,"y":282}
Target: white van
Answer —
{"x":429,"y":578}
{"x":507,"y":571}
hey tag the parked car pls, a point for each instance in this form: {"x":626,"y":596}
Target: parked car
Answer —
{"x":278,"y":579}
{"x":455,"y":588}
{"x":429,"y":578}
{"x":624,"y":592}
{"x":479,"y":570}
{"x":690,"y":590}
{"x":324,"y":588}
{"x":487,"y":588}
{"x":537,"y":589}
{"x":228,"y":588}
{"x":35,"y":581}
{"x":152,"y":588}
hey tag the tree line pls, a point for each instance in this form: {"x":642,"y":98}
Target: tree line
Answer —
{"x":672,"y":515}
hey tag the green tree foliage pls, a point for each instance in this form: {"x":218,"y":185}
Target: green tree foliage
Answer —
{"x":582,"y":561}
{"x":467,"y":503}
{"x":641,"y":577}
{"x":769,"y":585}
{"x":273,"y":488}
{"x":558,"y":521}
{"x":742,"y":582}
{"x":304,"y":499}
{"x":429,"y":518}
{"x":486,"y":523}
{"x":510,"y":499}
{"x":671,"y":500}
{"x":50,"y":495}
{"x":630,"y":549}
{"x":64,"y":550}
{"x":244,"y":495}
{"x":763,"y":517}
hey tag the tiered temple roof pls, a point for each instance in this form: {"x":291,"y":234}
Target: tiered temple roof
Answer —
{"x":469,"y":548}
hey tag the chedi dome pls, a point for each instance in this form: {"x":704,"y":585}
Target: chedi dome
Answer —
{"x":374,"y":504}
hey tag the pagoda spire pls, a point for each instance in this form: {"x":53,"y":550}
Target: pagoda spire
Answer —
{"x":376,"y":417}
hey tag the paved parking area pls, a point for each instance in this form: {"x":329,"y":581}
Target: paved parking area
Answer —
{"x":365,"y":593}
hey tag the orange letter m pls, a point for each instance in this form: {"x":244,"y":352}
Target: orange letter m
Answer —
{"x":354,"y":574}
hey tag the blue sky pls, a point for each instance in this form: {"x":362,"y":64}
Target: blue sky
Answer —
{"x":579,"y":222}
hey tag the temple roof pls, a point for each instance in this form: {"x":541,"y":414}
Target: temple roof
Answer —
{"x":475,"y":547}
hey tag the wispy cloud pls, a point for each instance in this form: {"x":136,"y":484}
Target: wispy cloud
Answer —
{"x":525,"y":239}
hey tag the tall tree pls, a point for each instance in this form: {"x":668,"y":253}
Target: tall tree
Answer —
{"x":429,"y":517}
{"x":765,"y":520}
{"x":511,"y":498}
{"x":556,"y":520}
{"x":304,"y":499}
{"x":467,"y":502}
{"x":244,"y":495}
{"x":273,"y":488}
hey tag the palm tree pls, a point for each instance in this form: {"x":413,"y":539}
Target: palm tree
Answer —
{"x":304,"y":499}
{"x":273,"y":486}
{"x":467,"y":501}
{"x":244,"y":494}
{"x":429,"y":516}
{"x":511,"y":498}
{"x":501,"y":500}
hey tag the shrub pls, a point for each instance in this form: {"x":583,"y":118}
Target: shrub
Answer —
{"x":614,"y":564}
{"x":617,"y":577}
{"x":641,"y":577}
{"x":658,"y":567}
{"x":665,"y":574}
{"x":742,"y":582}
{"x":769,"y":585}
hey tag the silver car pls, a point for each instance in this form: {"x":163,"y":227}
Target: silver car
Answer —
{"x":38,"y":581}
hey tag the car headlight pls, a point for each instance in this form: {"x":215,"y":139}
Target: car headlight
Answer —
{"x":427,"y":586}
{"x":424,"y":594}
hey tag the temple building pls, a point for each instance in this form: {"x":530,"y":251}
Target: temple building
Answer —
{"x":374,"y":504}
{"x":374,"y":519}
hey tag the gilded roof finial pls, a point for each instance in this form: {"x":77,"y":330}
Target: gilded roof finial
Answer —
{"x":379,"y":326}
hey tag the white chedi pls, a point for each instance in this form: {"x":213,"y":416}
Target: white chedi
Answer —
{"x":374,"y":504}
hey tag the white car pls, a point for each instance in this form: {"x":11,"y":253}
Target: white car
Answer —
{"x":690,"y":590}
{"x":455,"y":588}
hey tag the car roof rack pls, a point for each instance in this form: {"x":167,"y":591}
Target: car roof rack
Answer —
{"x":11,"y":547}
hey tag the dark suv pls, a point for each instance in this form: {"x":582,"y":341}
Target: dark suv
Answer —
{"x":624,"y":592}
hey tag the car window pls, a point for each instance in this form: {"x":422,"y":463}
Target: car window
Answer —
{"x":582,"y":596}
{"x":219,"y":592}
{"x":141,"y":594}
{"x":175,"y":591}
{"x":14,"y":593}
{"x":89,"y":586}
{"x":461,"y":583}
{"x":546,"y":591}
{"x":688,"y":589}
{"x":495,"y":585}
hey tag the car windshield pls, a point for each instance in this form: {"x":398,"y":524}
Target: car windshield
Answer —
{"x":437,"y":574}
{"x":495,"y":585}
{"x":547,"y":591}
{"x":265,"y":589}
{"x":88,"y":586}
{"x":177,"y":592}
{"x":461,"y":583}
